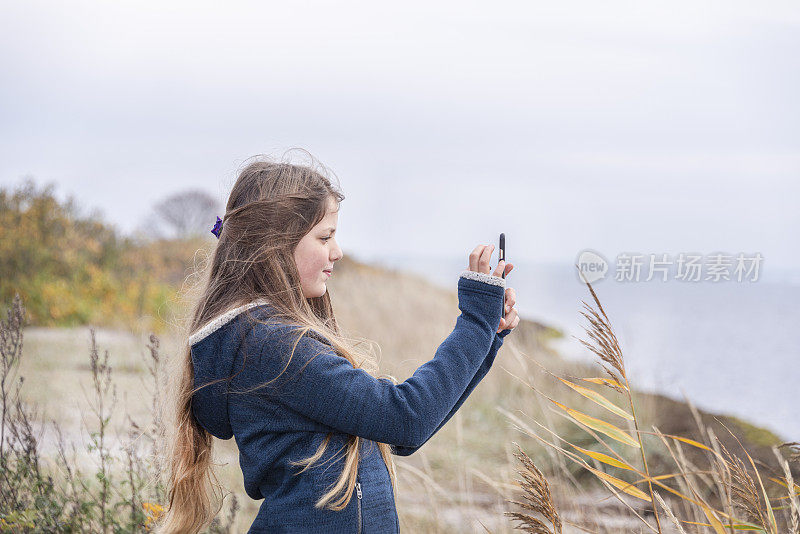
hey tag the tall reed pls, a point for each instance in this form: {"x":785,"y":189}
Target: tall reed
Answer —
{"x":729,"y":494}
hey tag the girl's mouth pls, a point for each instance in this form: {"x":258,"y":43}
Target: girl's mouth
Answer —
{"x":329,"y":273}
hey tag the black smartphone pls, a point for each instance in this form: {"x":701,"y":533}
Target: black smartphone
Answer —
{"x":501,"y":255}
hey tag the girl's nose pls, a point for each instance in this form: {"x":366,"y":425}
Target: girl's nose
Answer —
{"x":336,"y":253}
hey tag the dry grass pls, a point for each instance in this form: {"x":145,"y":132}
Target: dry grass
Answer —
{"x":465,"y":478}
{"x":726,"y":494}
{"x":537,"y":500}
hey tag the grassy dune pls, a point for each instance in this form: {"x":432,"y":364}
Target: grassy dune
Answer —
{"x":463,"y":478}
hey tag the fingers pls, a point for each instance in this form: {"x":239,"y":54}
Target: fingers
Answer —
{"x":479,"y":262}
{"x":474,"y":256}
{"x":503,"y":266}
{"x":483,"y":262}
{"x":511,"y":320}
{"x":479,"y":258}
{"x":511,"y":317}
{"x":498,"y":271}
{"x":511,"y":299}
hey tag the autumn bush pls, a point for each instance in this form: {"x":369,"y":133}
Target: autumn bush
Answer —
{"x":72,"y":269}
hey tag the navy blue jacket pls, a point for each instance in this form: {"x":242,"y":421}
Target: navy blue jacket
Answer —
{"x":319,"y":393}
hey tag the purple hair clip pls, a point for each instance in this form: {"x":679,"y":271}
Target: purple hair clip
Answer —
{"x":217,"y":228}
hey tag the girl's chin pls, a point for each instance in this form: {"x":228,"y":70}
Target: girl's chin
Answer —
{"x":321,"y":291}
{"x":318,"y":292}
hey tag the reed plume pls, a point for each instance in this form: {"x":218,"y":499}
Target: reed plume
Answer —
{"x":731,"y":482}
{"x":537,"y":499}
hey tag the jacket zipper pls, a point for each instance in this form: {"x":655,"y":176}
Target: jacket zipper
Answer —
{"x":358,"y":491}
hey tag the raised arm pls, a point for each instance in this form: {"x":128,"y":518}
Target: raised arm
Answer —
{"x":325,"y":387}
{"x":482,"y":370}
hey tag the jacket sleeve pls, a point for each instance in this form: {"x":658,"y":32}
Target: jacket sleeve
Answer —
{"x":321,"y":385}
{"x":484,"y":368}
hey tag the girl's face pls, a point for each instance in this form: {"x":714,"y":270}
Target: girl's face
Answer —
{"x":316,"y":252}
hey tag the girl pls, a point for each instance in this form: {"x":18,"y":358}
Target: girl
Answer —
{"x":267,"y":364}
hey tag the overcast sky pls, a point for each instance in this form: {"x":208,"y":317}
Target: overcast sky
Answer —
{"x":620,"y":126}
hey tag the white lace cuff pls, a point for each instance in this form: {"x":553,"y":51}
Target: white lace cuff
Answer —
{"x":485,"y":278}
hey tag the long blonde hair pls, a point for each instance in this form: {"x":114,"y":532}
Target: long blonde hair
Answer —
{"x":272,"y":205}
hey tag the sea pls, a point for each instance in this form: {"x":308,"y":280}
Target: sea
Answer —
{"x":731,"y":347}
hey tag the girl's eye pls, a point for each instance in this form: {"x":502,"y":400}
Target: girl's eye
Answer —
{"x":325,"y":238}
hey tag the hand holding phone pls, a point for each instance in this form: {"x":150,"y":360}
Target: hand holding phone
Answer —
{"x":510,"y":319}
{"x":479,"y":262}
